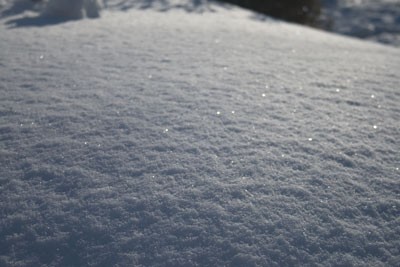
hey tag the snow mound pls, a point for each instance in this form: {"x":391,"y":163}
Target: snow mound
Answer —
{"x":210,"y":139}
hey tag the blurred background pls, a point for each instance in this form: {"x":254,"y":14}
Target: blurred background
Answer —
{"x":301,"y":11}
{"x":375,"y":20}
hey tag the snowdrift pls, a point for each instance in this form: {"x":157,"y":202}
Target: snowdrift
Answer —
{"x":218,"y":138}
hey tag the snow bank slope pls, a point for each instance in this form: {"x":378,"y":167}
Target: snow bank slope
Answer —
{"x":173,"y":139}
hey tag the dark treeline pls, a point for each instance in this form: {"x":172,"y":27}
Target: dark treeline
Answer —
{"x":300,"y":11}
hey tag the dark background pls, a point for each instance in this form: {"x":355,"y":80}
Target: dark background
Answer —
{"x":300,"y":11}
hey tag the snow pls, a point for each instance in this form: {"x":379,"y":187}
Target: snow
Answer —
{"x":210,"y":138}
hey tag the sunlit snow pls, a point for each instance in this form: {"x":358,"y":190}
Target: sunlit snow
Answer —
{"x":180,"y":133}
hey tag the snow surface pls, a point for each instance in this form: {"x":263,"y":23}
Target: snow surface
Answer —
{"x":209,"y":138}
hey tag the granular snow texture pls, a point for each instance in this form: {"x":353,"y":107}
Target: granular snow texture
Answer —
{"x":173,"y":139}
